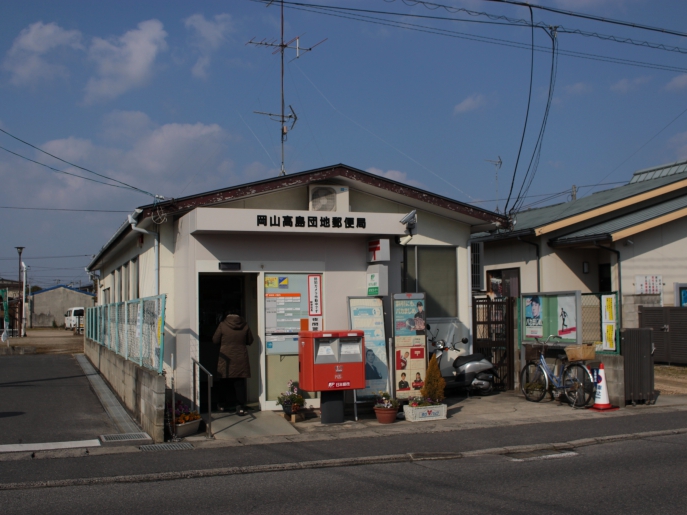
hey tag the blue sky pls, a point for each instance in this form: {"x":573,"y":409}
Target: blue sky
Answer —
{"x":161,"y":95}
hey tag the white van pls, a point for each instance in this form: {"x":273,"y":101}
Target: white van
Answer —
{"x":73,"y":317}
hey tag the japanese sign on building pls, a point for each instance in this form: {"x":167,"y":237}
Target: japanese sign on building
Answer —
{"x":648,"y":284}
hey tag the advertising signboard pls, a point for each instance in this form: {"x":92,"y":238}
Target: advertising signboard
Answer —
{"x":410,"y":344}
{"x":367,"y":315}
{"x":555,"y":313}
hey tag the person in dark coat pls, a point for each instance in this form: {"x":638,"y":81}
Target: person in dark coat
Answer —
{"x":233,"y":368}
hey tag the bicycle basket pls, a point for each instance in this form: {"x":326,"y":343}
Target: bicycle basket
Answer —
{"x":584,"y":352}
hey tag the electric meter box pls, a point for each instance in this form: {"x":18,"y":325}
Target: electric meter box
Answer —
{"x":331,"y":360}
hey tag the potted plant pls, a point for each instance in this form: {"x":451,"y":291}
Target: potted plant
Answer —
{"x":185,"y":420}
{"x":385,"y":408}
{"x":291,"y":401}
{"x":428,"y":406}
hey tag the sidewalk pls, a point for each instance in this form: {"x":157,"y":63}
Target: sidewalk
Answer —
{"x":497,"y":410}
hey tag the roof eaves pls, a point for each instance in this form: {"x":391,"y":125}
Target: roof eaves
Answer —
{"x":503,"y":235}
{"x":581,"y":240}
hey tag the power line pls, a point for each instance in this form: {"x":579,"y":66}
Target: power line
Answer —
{"x":75,"y":165}
{"x":588,"y":17}
{"x":332,"y":11}
{"x":56,"y":209}
{"x":551,"y":193}
{"x":62,"y":171}
{"x":46,"y":257}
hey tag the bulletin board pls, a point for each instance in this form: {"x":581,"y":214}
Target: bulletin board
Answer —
{"x":553,"y":313}
{"x":410,"y":344}
{"x":367,"y":314}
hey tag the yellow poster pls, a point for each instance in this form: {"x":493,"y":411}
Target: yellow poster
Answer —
{"x":609,"y":336}
{"x":271,"y":282}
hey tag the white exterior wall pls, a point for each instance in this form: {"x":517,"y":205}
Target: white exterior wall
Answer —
{"x":657,"y":251}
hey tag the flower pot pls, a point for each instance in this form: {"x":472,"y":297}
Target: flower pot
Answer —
{"x":386,"y":415}
{"x":421,"y":413}
{"x":188,"y":429}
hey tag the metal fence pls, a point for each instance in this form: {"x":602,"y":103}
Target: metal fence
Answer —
{"x":592,"y":321}
{"x":134,"y":329}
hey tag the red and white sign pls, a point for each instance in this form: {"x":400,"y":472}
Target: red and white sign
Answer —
{"x":315,"y":295}
{"x":378,"y":250}
{"x":339,"y":384}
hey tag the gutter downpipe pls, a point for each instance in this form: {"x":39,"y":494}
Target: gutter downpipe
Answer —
{"x":536,"y":247}
{"x":469,"y":324}
{"x":620,"y":282}
{"x":133,"y":222}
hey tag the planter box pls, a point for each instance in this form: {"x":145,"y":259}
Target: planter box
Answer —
{"x":188,"y":429}
{"x":425,"y":413}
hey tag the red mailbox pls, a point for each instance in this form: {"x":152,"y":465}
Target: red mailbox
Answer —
{"x":331,"y":360}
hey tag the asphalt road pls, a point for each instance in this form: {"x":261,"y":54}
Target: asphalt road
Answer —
{"x":632,"y":477}
{"x":47,"y":398}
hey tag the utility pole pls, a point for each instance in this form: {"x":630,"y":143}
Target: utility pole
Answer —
{"x":19,"y":303}
{"x":23,"y":303}
{"x":280,"y":47}
{"x":573,"y":194}
{"x":497,"y":165}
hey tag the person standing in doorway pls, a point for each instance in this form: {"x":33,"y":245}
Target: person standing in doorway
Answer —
{"x":233,"y":368}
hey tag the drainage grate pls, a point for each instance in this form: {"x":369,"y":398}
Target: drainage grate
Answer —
{"x":125,"y":437}
{"x":167,"y":447}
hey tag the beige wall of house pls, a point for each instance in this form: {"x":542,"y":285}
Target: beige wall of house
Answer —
{"x":657,"y":251}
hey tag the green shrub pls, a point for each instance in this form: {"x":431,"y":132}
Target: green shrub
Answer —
{"x":434,"y":383}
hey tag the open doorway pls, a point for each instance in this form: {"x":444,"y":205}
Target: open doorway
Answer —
{"x":217,"y":293}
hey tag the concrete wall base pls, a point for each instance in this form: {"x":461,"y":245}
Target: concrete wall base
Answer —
{"x":614,"y":369}
{"x":142,"y":391}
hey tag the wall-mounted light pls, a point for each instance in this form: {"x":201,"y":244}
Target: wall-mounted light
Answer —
{"x":585,"y":267}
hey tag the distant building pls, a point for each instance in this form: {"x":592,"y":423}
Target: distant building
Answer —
{"x":14,"y":287}
{"x":50,"y":305}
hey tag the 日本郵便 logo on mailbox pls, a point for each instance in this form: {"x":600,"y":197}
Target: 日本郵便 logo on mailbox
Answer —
{"x":339,"y":384}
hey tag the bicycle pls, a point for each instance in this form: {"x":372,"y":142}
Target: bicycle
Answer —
{"x":574,"y":380}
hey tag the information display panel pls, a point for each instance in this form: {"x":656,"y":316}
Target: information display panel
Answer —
{"x":410,"y":344}
{"x":367,"y":314}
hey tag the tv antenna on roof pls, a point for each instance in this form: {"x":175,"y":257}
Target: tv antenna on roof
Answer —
{"x":293,"y":44}
{"x":497,"y":164}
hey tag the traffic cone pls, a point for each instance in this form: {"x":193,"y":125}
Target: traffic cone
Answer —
{"x":601,"y":401}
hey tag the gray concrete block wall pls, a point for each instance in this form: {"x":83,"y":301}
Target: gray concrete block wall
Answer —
{"x":614,"y":369}
{"x":631,"y":304}
{"x":142,"y":391}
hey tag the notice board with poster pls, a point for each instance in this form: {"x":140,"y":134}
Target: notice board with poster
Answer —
{"x":410,"y":344}
{"x":608,"y":323}
{"x":367,"y":314}
{"x":555,"y":313}
{"x":288,"y":299}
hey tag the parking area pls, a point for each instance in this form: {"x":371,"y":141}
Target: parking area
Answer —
{"x":48,"y":398}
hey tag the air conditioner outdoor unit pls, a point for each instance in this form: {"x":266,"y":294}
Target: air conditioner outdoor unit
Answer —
{"x":328,"y":197}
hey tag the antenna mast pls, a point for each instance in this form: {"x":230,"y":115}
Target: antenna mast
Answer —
{"x":280,"y":47}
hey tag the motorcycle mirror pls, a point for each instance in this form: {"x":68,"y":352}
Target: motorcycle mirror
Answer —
{"x":464,"y":340}
{"x":429,"y":327}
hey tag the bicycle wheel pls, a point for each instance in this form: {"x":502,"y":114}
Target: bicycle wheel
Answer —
{"x":533,"y":382}
{"x":578,"y":385}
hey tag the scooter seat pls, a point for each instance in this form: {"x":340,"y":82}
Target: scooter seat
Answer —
{"x":468,"y":358}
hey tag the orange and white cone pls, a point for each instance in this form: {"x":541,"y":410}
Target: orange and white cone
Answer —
{"x":601,"y":401}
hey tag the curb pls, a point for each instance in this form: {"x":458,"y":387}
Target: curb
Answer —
{"x":333,"y":463}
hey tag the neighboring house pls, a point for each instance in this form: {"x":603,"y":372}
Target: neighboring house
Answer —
{"x":50,"y":305}
{"x":631,"y":239}
{"x":13,"y":287}
{"x":242,"y":247}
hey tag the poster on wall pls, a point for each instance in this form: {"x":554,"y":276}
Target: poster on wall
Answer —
{"x":534,"y":327}
{"x":410,"y":342}
{"x":367,"y":315}
{"x":608,"y":320}
{"x":682,"y":295}
{"x":648,"y":284}
{"x":567,"y":317}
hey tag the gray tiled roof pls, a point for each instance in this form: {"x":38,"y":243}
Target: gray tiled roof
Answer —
{"x":628,"y":220}
{"x":642,"y":181}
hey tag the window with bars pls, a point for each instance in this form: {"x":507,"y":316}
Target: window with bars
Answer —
{"x":477,"y":264}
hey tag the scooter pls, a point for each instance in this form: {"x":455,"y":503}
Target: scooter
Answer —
{"x":471,"y":371}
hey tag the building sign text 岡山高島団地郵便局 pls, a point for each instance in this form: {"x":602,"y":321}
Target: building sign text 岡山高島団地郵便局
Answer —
{"x":312,"y":222}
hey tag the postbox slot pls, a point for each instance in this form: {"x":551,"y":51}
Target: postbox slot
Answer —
{"x":350,"y":350}
{"x":326,"y":350}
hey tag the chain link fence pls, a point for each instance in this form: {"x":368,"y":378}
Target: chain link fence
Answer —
{"x":134,"y":329}
{"x":594,"y":326}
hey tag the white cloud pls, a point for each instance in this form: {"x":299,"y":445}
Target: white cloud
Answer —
{"x":471,"y":103}
{"x":397,"y":176}
{"x":26,"y":59}
{"x":677,"y":83}
{"x":679,"y":143}
{"x":208,"y":36}
{"x":579,"y":88}
{"x":126,"y":126}
{"x":126,"y":62}
{"x":626,"y":85}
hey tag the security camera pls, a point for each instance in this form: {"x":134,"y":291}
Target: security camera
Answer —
{"x":409,"y":218}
